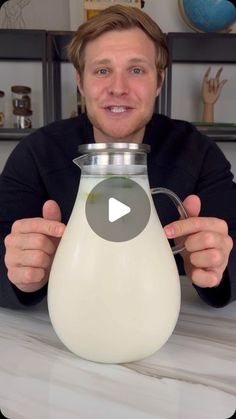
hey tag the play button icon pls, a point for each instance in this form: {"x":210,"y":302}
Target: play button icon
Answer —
{"x":117,"y":209}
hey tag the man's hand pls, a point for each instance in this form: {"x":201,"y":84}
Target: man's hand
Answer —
{"x":31,"y":246}
{"x":207,"y":244}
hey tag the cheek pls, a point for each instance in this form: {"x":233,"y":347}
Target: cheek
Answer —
{"x":147,"y":92}
{"x":92,"y":89}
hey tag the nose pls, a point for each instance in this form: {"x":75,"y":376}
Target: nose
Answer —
{"x":118,"y":84}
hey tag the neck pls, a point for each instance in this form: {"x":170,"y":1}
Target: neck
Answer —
{"x":135,"y":137}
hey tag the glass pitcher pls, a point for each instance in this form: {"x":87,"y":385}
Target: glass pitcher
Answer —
{"x":114,"y":290}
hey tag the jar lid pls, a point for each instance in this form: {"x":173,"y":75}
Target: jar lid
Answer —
{"x":2,"y":93}
{"x":22,"y":112}
{"x":21,"y":103}
{"x":20,"y":89}
{"x":115,"y":147}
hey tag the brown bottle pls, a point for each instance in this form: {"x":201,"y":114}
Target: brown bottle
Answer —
{"x":2,"y":94}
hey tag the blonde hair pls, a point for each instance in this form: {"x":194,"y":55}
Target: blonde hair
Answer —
{"x":117,"y":18}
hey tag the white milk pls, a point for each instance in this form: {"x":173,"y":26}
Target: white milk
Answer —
{"x":113,"y":301}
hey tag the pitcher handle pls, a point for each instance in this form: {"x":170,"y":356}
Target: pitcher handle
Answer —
{"x":179,"y":205}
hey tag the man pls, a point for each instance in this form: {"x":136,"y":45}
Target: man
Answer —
{"x":120,"y":57}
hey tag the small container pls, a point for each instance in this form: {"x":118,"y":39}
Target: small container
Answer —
{"x":21,"y":97}
{"x":2,"y":94}
{"x":22,"y":118}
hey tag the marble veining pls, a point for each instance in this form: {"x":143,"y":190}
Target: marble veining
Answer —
{"x":193,"y":376}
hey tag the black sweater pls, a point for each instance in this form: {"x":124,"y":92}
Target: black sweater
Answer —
{"x":181,"y":159}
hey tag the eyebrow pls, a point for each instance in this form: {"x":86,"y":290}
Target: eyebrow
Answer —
{"x":136,"y":60}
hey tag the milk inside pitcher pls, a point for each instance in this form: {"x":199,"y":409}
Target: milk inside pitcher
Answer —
{"x":114,"y":299}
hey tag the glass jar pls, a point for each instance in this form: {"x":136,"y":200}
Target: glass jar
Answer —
{"x":2,"y":94}
{"x":131,"y":285}
{"x":21,"y":97}
{"x":22,"y":118}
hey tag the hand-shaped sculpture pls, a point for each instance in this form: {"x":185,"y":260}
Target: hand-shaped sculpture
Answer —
{"x":211,"y":89}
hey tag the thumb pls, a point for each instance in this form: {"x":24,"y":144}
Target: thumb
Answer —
{"x":222,"y":83}
{"x":51,"y":211}
{"x":192,"y":204}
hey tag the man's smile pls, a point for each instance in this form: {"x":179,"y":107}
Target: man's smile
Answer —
{"x":117,"y":108}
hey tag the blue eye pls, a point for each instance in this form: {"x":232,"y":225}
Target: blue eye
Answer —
{"x":102,"y":71}
{"x":137,"y":70}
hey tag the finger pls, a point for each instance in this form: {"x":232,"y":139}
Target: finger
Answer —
{"x":51,"y":211}
{"x":207,"y":73}
{"x":218,"y":74}
{"x":194,"y":225}
{"x":27,"y":279}
{"x":206,"y":279}
{"x":39,"y":225}
{"x":209,"y":240}
{"x":205,"y":240}
{"x":215,"y":86}
{"x":222,"y":83}
{"x":211,"y":85}
{"x":192,"y":204}
{"x":207,"y":259}
{"x":33,"y":258}
{"x":30,"y":241}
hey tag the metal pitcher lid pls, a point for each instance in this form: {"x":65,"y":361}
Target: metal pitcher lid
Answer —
{"x":115,"y":147}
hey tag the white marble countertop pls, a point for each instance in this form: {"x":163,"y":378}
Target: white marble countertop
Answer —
{"x":193,"y":376}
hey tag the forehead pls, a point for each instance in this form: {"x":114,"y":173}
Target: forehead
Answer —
{"x":128,"y":43}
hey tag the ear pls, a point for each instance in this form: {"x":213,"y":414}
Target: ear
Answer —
{"x":160,"y":81}
{"x":79,"y":83}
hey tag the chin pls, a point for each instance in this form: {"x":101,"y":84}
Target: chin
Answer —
{"x":121,"y":131}
{"x":122,"y":135}
{"x":113,"y":136}
{"x":122,"y":139}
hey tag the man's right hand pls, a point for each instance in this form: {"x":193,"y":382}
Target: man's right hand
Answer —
{"x":31,"y":246}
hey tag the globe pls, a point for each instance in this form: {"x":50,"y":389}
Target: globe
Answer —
{"x":208,"y":15}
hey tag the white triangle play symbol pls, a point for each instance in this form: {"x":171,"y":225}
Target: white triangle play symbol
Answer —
{"x":116,"y":210}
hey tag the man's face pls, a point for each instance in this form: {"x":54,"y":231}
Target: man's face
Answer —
{"x":120,"y":85}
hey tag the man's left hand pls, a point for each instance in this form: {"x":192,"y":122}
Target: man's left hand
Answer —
{"x":207,"y":244}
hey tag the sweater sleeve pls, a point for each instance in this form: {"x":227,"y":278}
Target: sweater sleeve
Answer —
{"x":218,"y":199}
{"x":21,"y":196}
